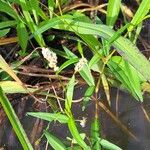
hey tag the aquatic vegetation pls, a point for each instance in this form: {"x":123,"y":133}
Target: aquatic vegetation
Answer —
{"x":100,"y":56}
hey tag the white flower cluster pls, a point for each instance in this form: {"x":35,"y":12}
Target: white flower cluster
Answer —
{"x":80,"y":64}
{"x":51,"y":57}
{"x":83,"y":122}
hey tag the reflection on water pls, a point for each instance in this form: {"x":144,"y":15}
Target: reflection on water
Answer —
{"x":128,"y":111}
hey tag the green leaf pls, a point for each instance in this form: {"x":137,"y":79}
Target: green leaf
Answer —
{"x":85,"y":72}
{"x":118,"y":34}
{"x":127,"y":75}
{"x":92,"y":42}
{"x":9,"y":70}
{"x":60,"y":53}
{"x":95,"y":134}
{"x":94,"y":60}
{"x":74,"y":148}
{"x":122,"y":44}
{"x":51,"y":5}
{"x":113,"y":9}
{"x":66,"y":64}
{"x":96,"y":63}
{"x":22,"y":35}
{"x":6,"y":8}
{"x":54,"y":141}
{"x":69,"y":53}
{"x":50,"y":116}
{"x":6,"y":24}
{"x":83,"y":135}
{"x":140,"y":14}
{"x":34,"y":6}
{"x":4,"y":32}
{"x":87,"y":96}
{"x":17,"y":88}
{"x":80,"y":49}
{"x":69,"y":93}
{"x":76,"y":135}
{"x":135,"y":36}
{"x":30,"y":23}
{"x":14,"y":121}
{"x":108,"y":145}
{"x":106,"y":87}
{"x":89,"y":91}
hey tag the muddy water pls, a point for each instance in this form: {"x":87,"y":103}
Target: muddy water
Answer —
{"x":131,"y":114}
{"x":128,"y":111}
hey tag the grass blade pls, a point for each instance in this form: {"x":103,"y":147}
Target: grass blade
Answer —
{"x":126,"y":48}
{"x":51,"y":6}
{"x":89,"y":91}
{"x":106,"y":87}
{"x":54,"y":141}
{"x":31,"y":23}
{"x":70,"y":54}
{"x":127,"y":75}
{"x":34,"y":5}
{"x":6,"y":68}
{"x":86,"y":74}
{"x":66,"y":64}
{"x":22,"y":36}
{"x":113,"y":9}
{"x":15,"y":121}
{"x":140,"y":14}
{"x":6,"y":24}
{"x":76,"y":135}
{"x":5,"y":7}
{"x":69,"y":93}
{"x":108,"y":145}
{"x":95,"y":134}
{"x":4,"y":32}
{"x":17,"y":88}
{"x":50,"y":116}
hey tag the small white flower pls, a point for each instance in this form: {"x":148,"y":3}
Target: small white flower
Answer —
{"x":83,"y":122}
{"x":80,"y":64}
{"x":45,"y":52}
{"x":56,"y":68}
{"x":51,"y":57}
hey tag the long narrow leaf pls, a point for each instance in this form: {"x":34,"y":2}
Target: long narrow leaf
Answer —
{"x":127,"y":75}
{"x":15,"y":121}
{"x":54,"y":141}
{"x":17,"y":88}
{"x":34,"y":5}
{"x":6,"y":68}
{"x":76,"y":135}
{"x":67,"y":63}
{"x":85,"y":72}
{"x":113,"y":9}
{"x":95,"y":134}
{"x":50,"y":116}
{"x":22,"y":35}
{"x":31,"y":23}
{"x":6,"y":24}
{"x":69,"y":93}
{"x":70,"y":54}
{"x":106,"y":87}
{"x":4,"y":32}
{"x":126,"y":48}
{"x":140,"y":14}
{"x":5,"y":7}
{"x":108,"y":145}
